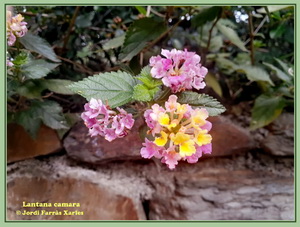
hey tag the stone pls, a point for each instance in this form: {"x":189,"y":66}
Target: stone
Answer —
{"x":57,"y":181}
{"x":228,"y":138}
{"x":225,"y":189}
{"x":280,"y":140}
{"x":250,"y":186}
{"x":80,"y":146}
{"x":95,"y":203}
{"x":21,"y":146}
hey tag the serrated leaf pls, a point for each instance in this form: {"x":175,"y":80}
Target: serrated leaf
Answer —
{"x":213,"y":106}
{"x":230,"y":34}
{"x":39,"y":45}
{"x":142,"y":93}
{"x":255,"y":73}
{"x":114,"y":87}
{"x":58,"y":86}
{"x":139,"y":33}
{"x":206,"y":15}
{"x":146,"y":78}
{"x":50,"y":113}
{"x":281,"y":75}
{"x":37,"y":69}
{"x":114,"y":43}
{"x":266,"y":109}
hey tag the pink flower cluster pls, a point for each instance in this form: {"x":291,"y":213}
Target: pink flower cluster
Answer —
{"x":179,"y":70}
{"x":101,"y":120}
{"x":15,"y":27}
{"x":180,"y":133}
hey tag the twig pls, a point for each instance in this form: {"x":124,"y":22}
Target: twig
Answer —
{"x":71,"y":26}
{"x":30,"y":14}
{"x":148,"y":11}
{"x":257,"y":29}
{"x":48,"y":95}
{"x":209,"y":39}
{"x":157,"y":13}
{"x":210,"y":32}
{"x":141,"y":58}
{"x":251,"y":38}
{"x":60,"y":98}
{"x":82,"y":67}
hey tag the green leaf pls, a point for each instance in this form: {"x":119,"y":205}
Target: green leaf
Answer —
{"x":206,"y":15}
{"x":230,"y":34}
{"x":212,"y":82}
{"x":281,"y":75}
{"x":29,"y":120}
{"x":141,"y":10}
{"x":37,"y":69}
{"x":31,"y":89}
{"x":114,"y":87}
{"x":226,"y":65}
{"x":146,"y":78}
{"x":283,"y":65}
{"x":142,"y":93}
{"x":255,"y":73}
{"x":85,"y":20}
{"x":50,"y":113}
{"x":227,"y":23}
{"x":58,"y":86}
{"x":216,"y":43}
{"x":213,"y":106}
{"x":139,"y":33}
{"x":266,"y":109}
{"x":278,"y":31}
{"x":114,"y":43}
{"x":20,"y":59}
{"x":38,"y":45}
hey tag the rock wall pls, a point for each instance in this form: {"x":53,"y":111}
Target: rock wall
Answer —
{"x":235,"y":188}
{"x":245,"y":179}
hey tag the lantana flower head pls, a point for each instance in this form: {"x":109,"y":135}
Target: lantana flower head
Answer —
{"x":179,"y":70}
{"x":180,"y":133}
{"x":103,"y":121}
{"x":15,"y":27}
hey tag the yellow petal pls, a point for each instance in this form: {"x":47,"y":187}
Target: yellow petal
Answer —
{"x":187,"y":148}
{"x":202,"y":138}
{"x":181,"y":109}
{"x":199,"y":116}
{"x":164,"y":119}
{"x":161,"y":141}
{"x":180,"y":138}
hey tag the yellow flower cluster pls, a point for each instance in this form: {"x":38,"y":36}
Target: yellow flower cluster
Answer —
{"x":183,"y":128}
